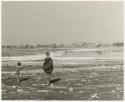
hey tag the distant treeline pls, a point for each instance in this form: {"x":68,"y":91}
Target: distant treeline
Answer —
{"x":73,"y":45}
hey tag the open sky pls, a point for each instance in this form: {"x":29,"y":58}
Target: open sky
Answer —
{"x":47,"y":22}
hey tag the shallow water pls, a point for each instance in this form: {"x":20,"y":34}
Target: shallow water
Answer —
{"x":86,"y":74}
{"x":80,"y":54}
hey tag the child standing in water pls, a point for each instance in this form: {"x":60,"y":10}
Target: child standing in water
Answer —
{"x":19,"y":66}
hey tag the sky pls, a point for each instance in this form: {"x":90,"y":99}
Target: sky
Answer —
{"x":61,"y":22}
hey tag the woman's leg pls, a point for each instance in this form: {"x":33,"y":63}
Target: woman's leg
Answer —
{"x":46,"y":78}
{"x":49,"y":76}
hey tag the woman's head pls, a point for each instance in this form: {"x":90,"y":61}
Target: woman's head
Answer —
{"x":47,"y":54}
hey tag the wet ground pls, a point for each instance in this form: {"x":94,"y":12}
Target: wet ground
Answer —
{"x":90,"y":79}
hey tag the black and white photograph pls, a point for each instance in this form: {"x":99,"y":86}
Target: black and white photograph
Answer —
{"x":62,"y":50}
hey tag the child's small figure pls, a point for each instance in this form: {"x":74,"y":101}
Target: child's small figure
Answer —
{"x":18,"y":71}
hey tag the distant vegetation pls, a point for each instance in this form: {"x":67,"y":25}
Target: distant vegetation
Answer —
{"x":73,"y":45}
{"x":118,"y":44}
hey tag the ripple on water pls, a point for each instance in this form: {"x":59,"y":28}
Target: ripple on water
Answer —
{"x":44,"y":91}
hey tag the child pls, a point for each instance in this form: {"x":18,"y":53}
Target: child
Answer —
{"x":19,"y":66}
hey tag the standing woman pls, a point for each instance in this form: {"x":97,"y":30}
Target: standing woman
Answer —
{"x":48,"y":67}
